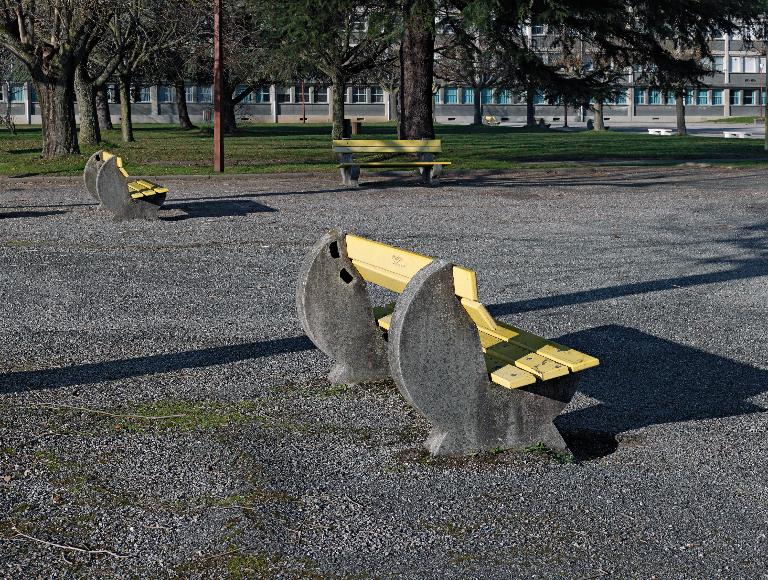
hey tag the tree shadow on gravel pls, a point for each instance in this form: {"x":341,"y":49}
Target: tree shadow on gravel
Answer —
{"x":216,"y":208}
{"x":19,"y":381}
{"x":29,"y":214}
{"x":644,"y":380}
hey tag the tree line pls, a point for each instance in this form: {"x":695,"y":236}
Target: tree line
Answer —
{"x":71,"y":49}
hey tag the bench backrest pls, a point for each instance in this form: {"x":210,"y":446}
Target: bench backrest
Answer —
{"x":387,"y":146}
{"x":106,"y":156}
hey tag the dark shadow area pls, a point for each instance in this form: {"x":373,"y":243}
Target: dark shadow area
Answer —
{"x":216,"y":208}
{"x":752,"y":238}
{"x":162,"y":363}
{"x":644,"y":380}
{"x":28,"y":214}
{"x":23,"y":151}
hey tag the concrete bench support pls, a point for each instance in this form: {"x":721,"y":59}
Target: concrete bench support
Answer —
{"x":335,"y":311}
{"x":437,"y":362}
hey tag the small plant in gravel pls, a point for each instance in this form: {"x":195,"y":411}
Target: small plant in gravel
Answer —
{"x":185,"y":416}
{"x":561,"y":457}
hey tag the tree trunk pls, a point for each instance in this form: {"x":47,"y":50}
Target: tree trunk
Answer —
{"x":86,"y":103}
{"x":418,"y":69}
{"x":680,"y":112}
{"x":57,"y":111}
{"x":102,"y":108}
{"x":228,"y":119}
{"x":599,"y":123}
{"x":477,"y":106}
{"x":126,"y":124}
{"x":338,"y":87}
{"x":530,"y":107}
{"x":181,"y":105}
{"x":565,"y":115}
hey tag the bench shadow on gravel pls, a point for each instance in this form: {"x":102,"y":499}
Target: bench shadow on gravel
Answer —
{"x":19,"y":381}
{"x":645,"y":380}
{"x":216,"y":208}
{"x":29,"y":214}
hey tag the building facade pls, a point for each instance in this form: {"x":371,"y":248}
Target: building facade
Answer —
{"x":736,"y":88}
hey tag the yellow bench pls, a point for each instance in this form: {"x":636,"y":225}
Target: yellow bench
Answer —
{"x":139,"y":188}
{"x":424,"y":149}
{"x":514,"y":358}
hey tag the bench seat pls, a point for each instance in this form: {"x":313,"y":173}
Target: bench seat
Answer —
{"x":394,"y":163}
{"x":142,"y":188}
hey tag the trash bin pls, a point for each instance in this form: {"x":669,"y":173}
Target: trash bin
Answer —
{"x":346,"y":129}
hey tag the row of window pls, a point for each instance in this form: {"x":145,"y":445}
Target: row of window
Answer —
{"x":702,"y":97}
{"x":740,"y":64}
{"x":490,"y":96}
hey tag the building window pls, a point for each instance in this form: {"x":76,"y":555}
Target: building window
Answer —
{"x":654,"y":97}
{"x":689,"y":96}
{"x":437,"y":97}
{"x":143,"y":96}
{"x":242,"y":89}
{"x":749,"y":97}
{"x":717,"y":96}
{"x":762,"y":64}
{"x":297,"y":90}
{"x":359,"y":95}
{"x":189,"y":94}
{"x":537,"y":30}
{"x":261,"y":95}
{"x":538,"y":98}
{"x":671,"y":98}
{"x":505,"y":97}
{"x":377,"y":95}
{"x":468,"y":96}
{"x":486,"y":96}
{"x":621,"y":98}
{"x":762,"y":97}
{"x":112,"y":94}
{"x":321,"y":94}
{"x":702,"y":97}
{"x":736,"y":64}
{"x":735,"y":97}
{"x":164,"y":94}
{"x":17,"y":93}
{"x":284,"y":94}
{"x":719,"y":64}
{"x":451,"y":96}
{"x":750,"y":64}
{"x":204,"y":94}
{"x":639,"y":96}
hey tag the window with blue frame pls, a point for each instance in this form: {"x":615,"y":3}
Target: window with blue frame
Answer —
{"x":164,"y":94}
{"x":671,"y":98}
{"x":321,"y":95}
{"x":451,"y":96}
{"x":189,"y":93}
{"x":762,"y":97}
{"x":639,"y":96}
{"x":261,"y":95}
{"x":486,"y":96}
{"x":621,"y":99}
{"x":702,"y":97}
{"x":735,"y":97}
{"x":204,"y":94}
{"x":717,"y":96}
{"x":17,"y":93}
{"x":749,"y":97}
{"x":468,"y":96}
{"x":437,"y":97}
{"x":505,"y":97}
{"x":689,"y":96}
{"x":654,"y":97}
{"x":144,"y":95}
{"x":538,"y":98}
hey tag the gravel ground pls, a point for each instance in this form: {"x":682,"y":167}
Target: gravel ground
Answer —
{"x":162,"y":414}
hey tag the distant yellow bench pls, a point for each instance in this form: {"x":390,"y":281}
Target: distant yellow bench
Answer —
{"x":424,"y":149}
{"x":514,"y":358}
{"x":139,"y":188}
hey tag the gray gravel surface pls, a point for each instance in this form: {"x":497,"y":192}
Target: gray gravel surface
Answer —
{"x":159,"y":401}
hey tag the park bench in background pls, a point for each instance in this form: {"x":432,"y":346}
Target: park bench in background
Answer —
{"x":736,"y":134}
{"x":661,"y":132}
{"x":482,"y":383}
{"x":109,"y":183}
{"x":424,"y":149}
{"x":491,"y":120}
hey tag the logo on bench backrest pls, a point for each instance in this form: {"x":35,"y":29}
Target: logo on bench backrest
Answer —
{"x":397,"y":261}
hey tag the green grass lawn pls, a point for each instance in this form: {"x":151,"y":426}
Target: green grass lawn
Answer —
{"x":166,"y":150}
{"x":734,"y":120}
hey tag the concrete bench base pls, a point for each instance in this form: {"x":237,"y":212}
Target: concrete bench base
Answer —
{"x":432,"y":351}
{"x":736,"y":134}
{"x":661,"y":132}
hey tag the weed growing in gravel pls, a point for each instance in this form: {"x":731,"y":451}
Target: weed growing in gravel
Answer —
{"x":563,"y":458}
{"x":186,"y":416}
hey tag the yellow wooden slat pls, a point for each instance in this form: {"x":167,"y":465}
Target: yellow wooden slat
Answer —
{"x":479,"y":315}
{"x":511,"y":377}
{"x":385,"y":321}
{"x":161,"y":190}
{"x":381,"y":277}
{"x":382,"y":259}
{"x":136,"y":186}
{"x":123,"y":172}
{"x":537,"y":365}
{"x":387,"y":142}
{"x":400,"y":149}
{"x":573,"y":359}
{"x":138,"y":195}
{"x":106,"y":155}
{"x":119,"y":162}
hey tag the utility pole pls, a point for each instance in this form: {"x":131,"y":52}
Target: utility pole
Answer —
{"x":218,"y":89}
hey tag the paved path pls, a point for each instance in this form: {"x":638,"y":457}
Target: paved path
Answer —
{"x":158,"y":399}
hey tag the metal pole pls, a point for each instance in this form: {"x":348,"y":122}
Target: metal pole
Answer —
{"x":303,"y":105}
{"x":765,"y":107}
{"x":218,"y":89}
